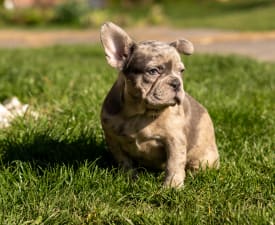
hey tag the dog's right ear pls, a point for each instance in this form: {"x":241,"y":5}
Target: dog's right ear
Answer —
{"x":116,"y":43}
{"x":183,"y":46}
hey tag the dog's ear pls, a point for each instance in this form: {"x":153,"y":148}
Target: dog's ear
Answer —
{"x":116,"y":43}
{"x":183,"y":46}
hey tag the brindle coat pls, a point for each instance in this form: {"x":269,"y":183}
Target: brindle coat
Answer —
{"x":147,"y":117}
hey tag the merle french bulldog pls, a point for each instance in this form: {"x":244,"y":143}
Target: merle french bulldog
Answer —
{"x":147,"y":117}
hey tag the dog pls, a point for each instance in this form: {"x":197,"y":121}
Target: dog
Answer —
{"x":147,"y":117}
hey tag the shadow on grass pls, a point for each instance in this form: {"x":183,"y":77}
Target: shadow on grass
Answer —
{"x":43,"y":151}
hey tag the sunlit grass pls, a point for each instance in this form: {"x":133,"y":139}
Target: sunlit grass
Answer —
{"x":57,"y":170}
{"x":234,"y":15}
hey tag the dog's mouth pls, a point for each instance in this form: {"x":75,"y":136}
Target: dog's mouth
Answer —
{"x":158,"y":103}
{"x":155,"y":108}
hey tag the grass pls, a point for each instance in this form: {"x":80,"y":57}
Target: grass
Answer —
{"x":242,"y":15}
{"x":234,"y":15}
{"x":57,"y":170}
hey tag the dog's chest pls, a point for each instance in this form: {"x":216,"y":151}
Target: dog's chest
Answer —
{"x":140,"y":138}
{"x":144,"y":149}
{"x":143,"y":138}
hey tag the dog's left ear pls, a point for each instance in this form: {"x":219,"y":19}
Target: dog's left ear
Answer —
{"x":183,"y":46}
{"x":116,"y":43}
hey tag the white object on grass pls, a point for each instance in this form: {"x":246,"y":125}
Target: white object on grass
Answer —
{"x":12,"y":108}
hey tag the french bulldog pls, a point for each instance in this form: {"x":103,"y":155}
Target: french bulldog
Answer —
{"x":147,"y":117}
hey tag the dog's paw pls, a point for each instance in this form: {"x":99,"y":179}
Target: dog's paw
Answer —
{"x":175,"y":181}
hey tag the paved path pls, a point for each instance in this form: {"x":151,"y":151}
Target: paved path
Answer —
{"x":259,"y":45}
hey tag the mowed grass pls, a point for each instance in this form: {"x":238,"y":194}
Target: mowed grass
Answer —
{"x":237,"y":15}
{"x":242,"y":15}
{"x":56,"y":169}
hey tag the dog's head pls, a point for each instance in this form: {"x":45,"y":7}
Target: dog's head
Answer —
{"x":152,"y":70}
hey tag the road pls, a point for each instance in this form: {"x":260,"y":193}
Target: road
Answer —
{"x":258,"y":45}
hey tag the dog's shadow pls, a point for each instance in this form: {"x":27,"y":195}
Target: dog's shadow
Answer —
{"x":43,"y":151}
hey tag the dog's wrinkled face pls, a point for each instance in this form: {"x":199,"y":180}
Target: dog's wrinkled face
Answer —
{"x":153,"y":73}
{"x":151,"y":69}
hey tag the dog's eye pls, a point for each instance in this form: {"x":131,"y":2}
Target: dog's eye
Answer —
{"x":182,"y":70}
{"x":153,"y":71}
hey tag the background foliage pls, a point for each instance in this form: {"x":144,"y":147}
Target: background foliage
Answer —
{"x":230,"y":14}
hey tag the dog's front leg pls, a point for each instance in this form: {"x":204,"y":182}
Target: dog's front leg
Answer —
{"x":175,"y":164}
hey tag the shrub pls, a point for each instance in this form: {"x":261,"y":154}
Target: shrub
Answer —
{"x":70,"y":12}
{"x":29,"y":16}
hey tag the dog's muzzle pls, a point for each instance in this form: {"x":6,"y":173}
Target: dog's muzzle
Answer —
{"x":175,"y":84}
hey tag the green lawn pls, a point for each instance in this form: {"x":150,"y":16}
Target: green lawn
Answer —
{"x":56,"y":169}
{"x":243,"y":15}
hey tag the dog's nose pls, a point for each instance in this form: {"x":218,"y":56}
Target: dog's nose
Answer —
{"x":175,"y":83}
